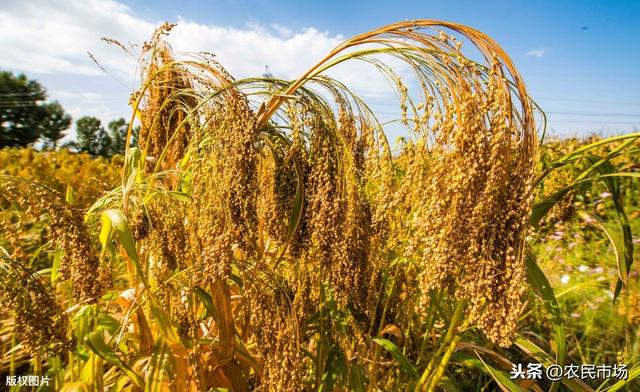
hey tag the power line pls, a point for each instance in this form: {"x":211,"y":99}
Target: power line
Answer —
{"x":588,"y":101}
{"x":592,"y":114}
{"x":594,"y":122}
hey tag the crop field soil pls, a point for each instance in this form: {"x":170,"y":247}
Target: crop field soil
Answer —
{"x":265,"y":235}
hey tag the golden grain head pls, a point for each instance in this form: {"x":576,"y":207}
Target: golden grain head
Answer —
{"x":68,"y":232}
{"x":476,"y":198}
{"x":39,"y":322}
{"x":310,"y":234}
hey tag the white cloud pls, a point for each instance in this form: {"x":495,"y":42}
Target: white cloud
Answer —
{"x":51,"y":38}
{"x":537,"y":53}
{"x":44,"y":37}
{"x":245,"y":52}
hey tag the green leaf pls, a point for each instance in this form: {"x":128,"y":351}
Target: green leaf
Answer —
{"x":160,"y":367}
{"x":623,"y":244}
{"x":448,"y":385}
{"x":601,"y":165}
{"x":96,"y":343}
{"x":55,"y":265}
{"x":132,"y":167}
{"x":68,"y":195}
{"x":336,"y":367}
{"x":593,"y":145}
{"x":617,"y":242}
{"x":107,"y":323}
{"x":404,"y":363}
{"x":357,"y":378}
{"x":206,"y":301}
{"x":535,"y":352}
{"x":540,"y":284}
{"x":542,"y":208}
{"x":633,"y":374}
{"x":114,"y":221}
{"x":76,"y":387}
{"x":165,"y":326}
{"x":243,"y":356}
{"x":500,"y":377}
{"x":83,"y":320}
{"x":180,"y":196}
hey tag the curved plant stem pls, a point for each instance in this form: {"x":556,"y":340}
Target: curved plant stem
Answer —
{"x":451,"y":339}
{"x":376,"y":349}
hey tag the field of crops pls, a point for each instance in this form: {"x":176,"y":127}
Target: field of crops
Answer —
{"x":265,"y":235}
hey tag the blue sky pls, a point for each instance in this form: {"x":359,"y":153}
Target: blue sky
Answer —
{"x":580,"y":59}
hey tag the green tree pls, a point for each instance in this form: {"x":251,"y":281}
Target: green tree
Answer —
{"x":54,"y":124}
{"x":135,"y":133}
{"x":118,"y":133}
{"x":24,"y":115}
{"x":104,"y":143}
{"x":92,"y":137}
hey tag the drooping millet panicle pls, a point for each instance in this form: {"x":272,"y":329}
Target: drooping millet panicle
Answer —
{"x":223,"y":216}
{"x":298,"y":159}
{"x":183,"y":315}
{"x":68,"y":231}
{"x":323,"y":194}
{"x":162,"y":234}
{"x":167,"y":235}
{"x":350,"y":270}
{"x":277,"y":329}
{"x":221,"y":130}
{"x":269,"y":219}
{"x":39,"y":322}
{"x":476,"y":203}
{"x":466,"y":190}
{"x":165,"y":103}
{"x":13,"y":230}
{"x":277,"y":190}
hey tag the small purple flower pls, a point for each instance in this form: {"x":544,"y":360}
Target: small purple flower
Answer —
{"x":557,"y":235}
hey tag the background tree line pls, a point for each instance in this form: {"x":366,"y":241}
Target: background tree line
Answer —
{"x":27,"y":118}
